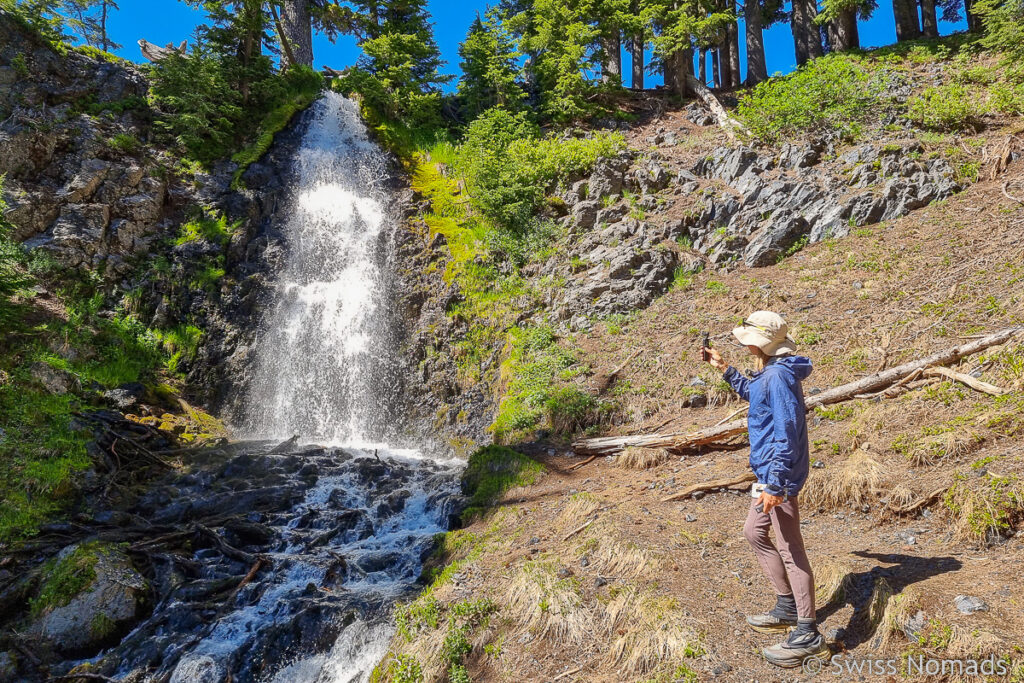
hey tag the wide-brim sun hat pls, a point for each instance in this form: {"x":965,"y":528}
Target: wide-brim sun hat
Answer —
{"x":767,"y":331}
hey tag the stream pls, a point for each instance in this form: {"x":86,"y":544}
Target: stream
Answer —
{"x":342,"y":519}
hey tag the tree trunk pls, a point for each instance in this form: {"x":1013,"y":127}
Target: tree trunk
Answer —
{"x":636,"y":48}
{"x":814,"y":48}
{"x":973,"y":21}
{"x":298,"y":31}
{"x":685,"y":74}
{"x":611,"y":66}
{"x":907,"y":25}
{"x":734,"y":55}
{"x":757,"y":69}
{"x":104,"y":43}
{"x":716,"y":68}
{"x":798,"y":25}
{"x":669,"y":70}
{"x":842,"y":32}
{"x":702,"y":66}
{"x":929,"y":21}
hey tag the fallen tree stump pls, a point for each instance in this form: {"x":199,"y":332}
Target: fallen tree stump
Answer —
{"x":682,"y":441}
{"x":744,"y":478}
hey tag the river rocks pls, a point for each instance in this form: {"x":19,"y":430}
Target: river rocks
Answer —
{"x":108,"y":604}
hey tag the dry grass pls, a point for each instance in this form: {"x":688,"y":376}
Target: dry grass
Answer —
{"x":633,"y":458}
{"x":580,"y":506}
{"x":901,"y":495}
{"x":974,"y":643}
{"x":874,"y":612}
{"x":896,"y":613}
{"x":831,"y":582}
{"x":855,"y":483}
{"x":622,"y":559}
{"x":548,"y":607}
{"x":949,"y":445}
{"x":984,"y":508}
{"x":650,"y":633}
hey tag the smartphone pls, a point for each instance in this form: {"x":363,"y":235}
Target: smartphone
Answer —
{"x":705,"y":345}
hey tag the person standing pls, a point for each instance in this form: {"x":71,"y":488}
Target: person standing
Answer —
{"x":779,"y":457}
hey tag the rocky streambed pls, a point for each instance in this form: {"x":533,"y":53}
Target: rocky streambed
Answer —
{"x":258,"y":563}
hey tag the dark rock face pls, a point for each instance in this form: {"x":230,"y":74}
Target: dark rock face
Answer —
{"x":791,"y":196}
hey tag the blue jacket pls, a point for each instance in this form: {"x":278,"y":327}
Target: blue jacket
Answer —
{"x":777,"y":423}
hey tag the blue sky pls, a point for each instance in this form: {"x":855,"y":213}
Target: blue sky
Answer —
{"x":165,"y":21}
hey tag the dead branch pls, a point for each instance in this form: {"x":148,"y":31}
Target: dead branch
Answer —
{"x":923,"y":502}
{"x":1010,"y":196}
{"x":577,"y":530}
{"x":611,"y":445}
{"x":744,"y":478}
{"x":606,"y":382}
{"x":972,"y":382}
{"x":581,"y":464}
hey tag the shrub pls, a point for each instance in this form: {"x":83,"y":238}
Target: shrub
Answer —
{"x":1007,"y":98}
{"x":944,"y":107}
{"x":834,"y":93}
{"x":510,"y":168}
{"x":1004,"y":27}
{"x":125,"y":143}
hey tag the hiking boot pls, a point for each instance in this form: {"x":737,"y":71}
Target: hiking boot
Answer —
{"x":780,"y":619}
{"x":798,"y":647}
{"x":769,"y":623}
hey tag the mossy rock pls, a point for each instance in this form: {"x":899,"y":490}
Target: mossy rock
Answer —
{"x":90,"y":594}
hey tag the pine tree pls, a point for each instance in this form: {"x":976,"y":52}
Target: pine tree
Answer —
{"x":489,"y":65}
{"x":398,"y":72}
{"x":559,"y":36}
{"x":87,"y":19}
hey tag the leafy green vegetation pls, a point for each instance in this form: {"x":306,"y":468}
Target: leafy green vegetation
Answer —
{"x":213,"y":228}
{"x":945,"y":107}
{"x":536,"y":371}
{"x":835,"y":93}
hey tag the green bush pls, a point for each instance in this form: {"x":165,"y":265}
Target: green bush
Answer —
{"x":510,"y":169}
{"x":944,"y":107}
{"x":835,"y":93}
{"x":1007,"y":98}
{"x":124,"y":143}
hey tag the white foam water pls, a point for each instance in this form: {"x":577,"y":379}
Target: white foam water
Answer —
{"x":324,"y":368}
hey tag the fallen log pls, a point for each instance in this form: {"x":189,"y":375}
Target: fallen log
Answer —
{"x":681,"y":441}
{"x":744,"y":478}
{"x":726,"y":122}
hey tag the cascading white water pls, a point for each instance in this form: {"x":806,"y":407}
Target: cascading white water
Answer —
{"x":325,"y":371}
{"x":322,"y":368}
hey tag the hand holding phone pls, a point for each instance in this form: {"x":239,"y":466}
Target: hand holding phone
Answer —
{"x":705,"y":345}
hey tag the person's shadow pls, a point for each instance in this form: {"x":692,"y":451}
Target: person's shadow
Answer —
{"x":904,"y":570}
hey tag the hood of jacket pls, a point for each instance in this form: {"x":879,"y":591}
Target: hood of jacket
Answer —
{"x":800,"y":366}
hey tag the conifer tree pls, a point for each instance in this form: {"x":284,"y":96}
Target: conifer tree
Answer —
{"x":489,"y":65}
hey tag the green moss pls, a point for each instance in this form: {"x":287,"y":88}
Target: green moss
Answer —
{"x":64,"y":579}
{"x":304,"y":93}
{"x":102,"y":626}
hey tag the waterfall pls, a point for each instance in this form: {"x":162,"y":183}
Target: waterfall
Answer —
{"x":325,"y":368}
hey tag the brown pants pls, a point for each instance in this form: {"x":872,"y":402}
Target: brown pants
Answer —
{"x":787,"y":566}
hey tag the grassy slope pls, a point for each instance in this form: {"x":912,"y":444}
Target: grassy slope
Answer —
{"x":643,"y":593}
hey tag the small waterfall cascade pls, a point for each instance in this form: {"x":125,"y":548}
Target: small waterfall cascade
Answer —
{"x":325,"y":368}
{"x":352,"y":517}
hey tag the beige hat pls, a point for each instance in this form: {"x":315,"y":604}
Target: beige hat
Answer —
{"x":768,"y":331}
